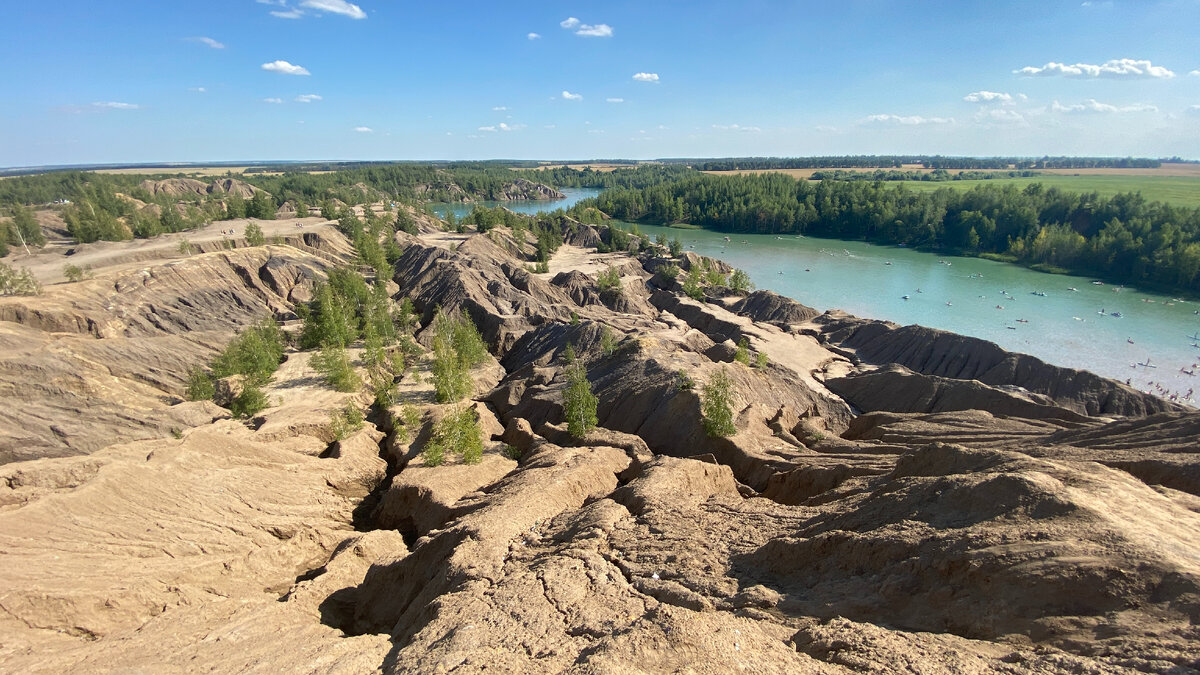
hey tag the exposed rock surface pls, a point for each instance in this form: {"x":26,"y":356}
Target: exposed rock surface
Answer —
{"x":893,"y":500}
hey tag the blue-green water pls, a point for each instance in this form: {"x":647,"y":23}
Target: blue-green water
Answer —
{"x":1073,"y":328}
{"x":530,"y":207}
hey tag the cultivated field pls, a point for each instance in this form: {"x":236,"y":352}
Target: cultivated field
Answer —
{"x":1177,"y":190}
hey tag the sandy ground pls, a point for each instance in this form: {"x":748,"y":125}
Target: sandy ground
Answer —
{"x":47,"y":265}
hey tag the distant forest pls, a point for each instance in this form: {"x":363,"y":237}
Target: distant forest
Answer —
{"x":928,"y":162}
{"x":1122,"y":238}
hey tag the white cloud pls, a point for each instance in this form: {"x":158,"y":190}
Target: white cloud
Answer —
{"x":1195,"y":73}
{"x":735,"y":127}
{"x":308,"y":98}
{"x":487,"y":128}
{"x":500,"y":108}
{"x":533,"y":36}
{"x":1094,"y":106}
{"x":987,"y":97}
{"x":336,"y":7}
{"x":285,"y":68}
{"x":1194,"y":110}
{"x":1125,"y":69}
{"x":290,"y":14}
{"x":615,"y":100}
{"x":909,"y":120}
{"x":510,"y":127}
{"x":584,"y":29}
{"x":115,"y":105}
{"x":646,"y":77}
{"x":572,"y":97}
{"x":599,"y":30}
{"x":272,"y":100}
{"x":549,"y":126}
{"x":364,"y":130}
{"x":198,"y":90}
{"x":999,"y":116}
{"x":208,"y":41}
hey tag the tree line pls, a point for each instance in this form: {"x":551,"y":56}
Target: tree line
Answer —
{"x":926,"y":161}
{"x":1122,"y":238}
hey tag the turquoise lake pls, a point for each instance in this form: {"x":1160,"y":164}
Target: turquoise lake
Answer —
{"x":1154,"y":343}
{"x":1074,"y":328}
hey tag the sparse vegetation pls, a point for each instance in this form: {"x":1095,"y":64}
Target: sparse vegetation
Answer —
{"x":716,"y":405}
{"x":200,"y":385}
{"x":19,"y":281}
{"x":608,"y":341}
{"x":75,"y":273}
{"x":185,"y":247}
{"x":457,"y":347}
{"x":742,"y":355}
{"x":579,"y":403}
{"x":683,"y":381}
{"x":251,"y":401}
{"x":346,"y":421}
{"x":609,"y":279}
{"x":740,"y":281}
{"x":333,"y":364}
{"x":457,"y":433}
{"x":760,"y":360}
{"x":254,"y":235}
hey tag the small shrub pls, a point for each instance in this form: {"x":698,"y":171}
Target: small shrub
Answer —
{"x":608,"y":342}
{"x":200,"y":385}
{"x":346,"y":421}
{"x":185,"y":247}
{"x":75,"y":273}
{"x":250,"y":402}
{"x":18,"y":281}
{"x":579,"y":403}
{"x":608,"y":279}
{"x":334,"y":365}
{"x":176,"y":432}
{"x":574,"y":319}
{"x":669,"y":271}
{"x":742,"y":355}
{"x":512,"y":452}
{"x":760,"y":360}
{"x":254,"y":235}
{"x":683,"y":381}
{"x":740,"y":281}
{"x":676,"y":247}
{"x":457,"y":433}
{"x":716,"y":405}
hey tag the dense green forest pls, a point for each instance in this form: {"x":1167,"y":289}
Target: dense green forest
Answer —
{"x":1122,"y":238}
{"x":927,"y":176}
{"x":929,"y":162}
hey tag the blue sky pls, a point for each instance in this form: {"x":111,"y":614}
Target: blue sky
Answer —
{"x":148,"y":81}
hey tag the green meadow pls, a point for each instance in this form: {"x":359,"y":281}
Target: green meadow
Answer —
{"x":1177,"y":190}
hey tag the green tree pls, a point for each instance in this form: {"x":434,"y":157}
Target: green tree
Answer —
{"x":579,"y":403}
{"x":200,"y":385}
{"x":740,"y":281}
{"x":742,"y":355}
{"x":457,"y":433}
{"x":25,"y":228}
{"x":610,"y":278}
{"x":716,"y":405}
{"x":251,"y":401}
{"x":333,"y":364}
{"x":254,"y":235}
{"x":675,"y":247}
{"x":301,"y":209}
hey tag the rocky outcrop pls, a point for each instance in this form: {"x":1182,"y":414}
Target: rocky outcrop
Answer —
{"x":864,"y":515}
{"x":936,"y":352}
{"x":176,"y":187}
{"x":522,"y":189}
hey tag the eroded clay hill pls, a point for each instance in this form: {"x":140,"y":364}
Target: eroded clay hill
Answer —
{"x":894,"y":499}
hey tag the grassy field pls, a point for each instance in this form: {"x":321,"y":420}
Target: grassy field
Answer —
{"x":1177,"y":190}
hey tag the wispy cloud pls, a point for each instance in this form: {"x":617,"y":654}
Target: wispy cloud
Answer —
{"x":735,"y":127}
{"x":533,"y":36}
{"x":1093,"y":106}
{"x":198,"y":90}
{"x":335,"y":7}
{"x":615,"y":100}
{"x":308,"y":98}
{"x":1194,"y":110}
{"x":364,"y":130}
{"x":571,"y":97}
{"x":988,"y":97}
{"x":207,"y":41}
{"x":285,"y":68}
{"x":646,"y":77}
{"x":499,"y":108}
{"x":287,"y":14}
{"x":502,"y":127}
{"x":585,"y":29}
{"x":115,"y":105}
{"x":272,"y":100}
{"x":907,"y":120}
{"x":1123,"y":69}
